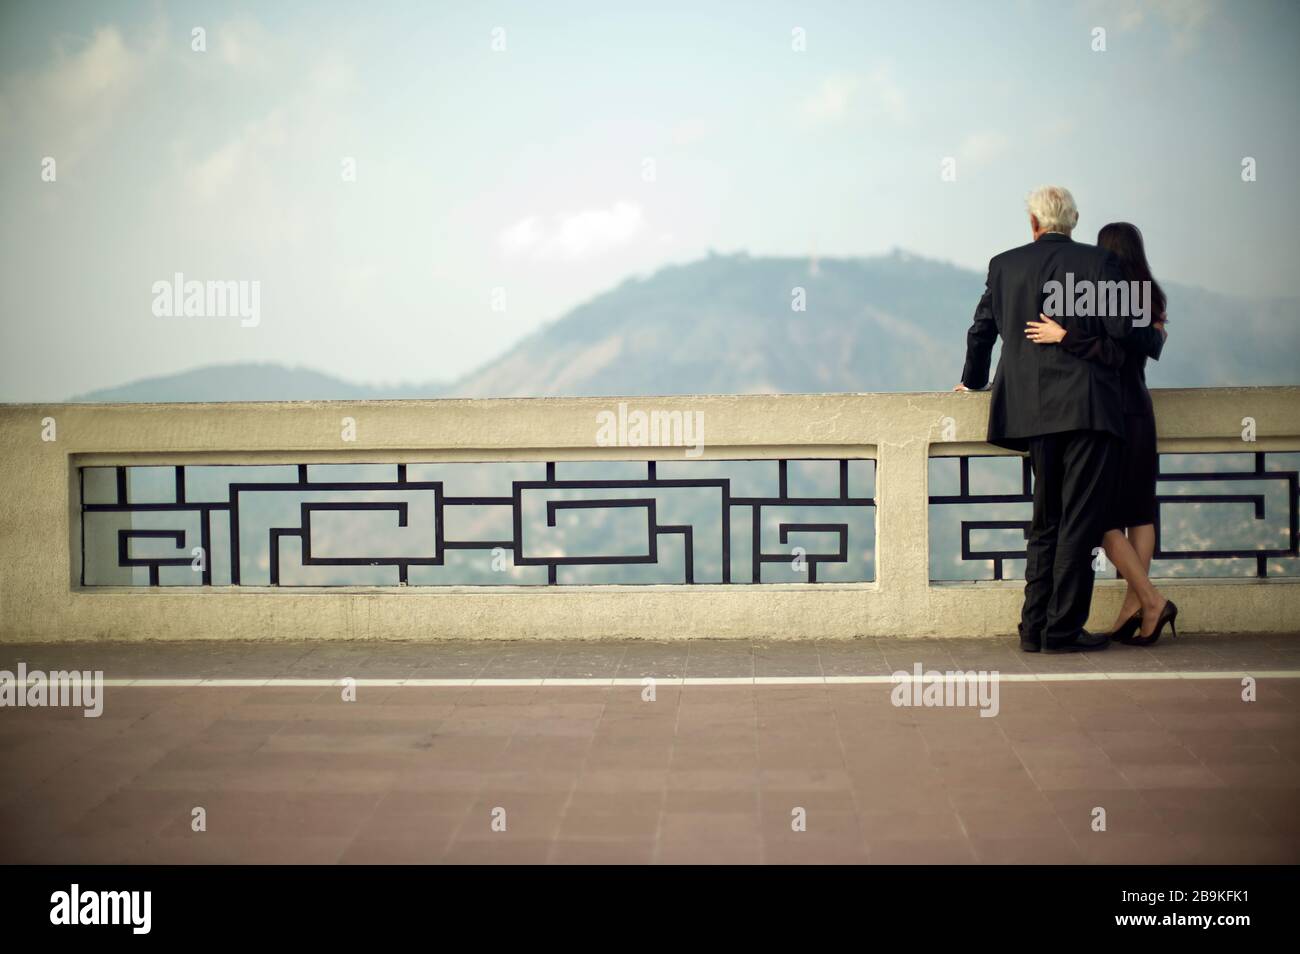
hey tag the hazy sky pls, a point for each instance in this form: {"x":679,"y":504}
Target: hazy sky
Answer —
{"x":597,"y":144}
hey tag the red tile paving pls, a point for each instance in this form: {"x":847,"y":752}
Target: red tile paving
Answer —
{"x":1185,"y":770}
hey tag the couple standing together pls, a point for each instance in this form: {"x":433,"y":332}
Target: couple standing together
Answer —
{"x":1070,"y":390}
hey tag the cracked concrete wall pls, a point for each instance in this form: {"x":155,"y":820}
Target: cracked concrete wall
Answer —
{"x":39,"y":528}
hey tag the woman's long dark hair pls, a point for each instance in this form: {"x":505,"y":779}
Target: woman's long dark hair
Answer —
{"x":1125,"y":241}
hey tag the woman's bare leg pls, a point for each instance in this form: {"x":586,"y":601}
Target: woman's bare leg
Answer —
{"x":1133,"y":567}
{"x":1143,"y":539}
{"x":1112,"y":541}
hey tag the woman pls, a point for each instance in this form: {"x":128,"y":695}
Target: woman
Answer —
{"x":1131,"y":539}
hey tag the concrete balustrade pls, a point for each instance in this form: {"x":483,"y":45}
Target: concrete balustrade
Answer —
{"x":41,"y":599}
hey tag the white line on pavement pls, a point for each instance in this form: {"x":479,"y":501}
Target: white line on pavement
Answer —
{"x":597,"y":682}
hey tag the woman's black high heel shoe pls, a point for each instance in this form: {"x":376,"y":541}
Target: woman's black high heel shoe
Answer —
{"x":1167,"y":615}
{"x":1127,"y":628}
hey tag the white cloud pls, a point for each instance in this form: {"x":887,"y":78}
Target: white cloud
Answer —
{"x":523,"y":235}
{"x":1183,"y":19}
{"x":886,"y":95}
{"x":871,"y":95}
{"x":209,"y":178}
{"x":574,"y":236}
{"x":332,"y":74}
{"x":66,"y":106}
{"x":267,"y":173}
{"x":690,"y":131}
{"x":243,"y":44}
{"x":96,"y":73}
{"x":831,"y":101}
{"x":983,"y":146}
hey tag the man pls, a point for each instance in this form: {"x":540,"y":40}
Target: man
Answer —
{"x":1065,"y":411}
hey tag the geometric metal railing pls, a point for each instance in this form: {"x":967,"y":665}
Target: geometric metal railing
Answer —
{"x":965,"y":497}
{"x":1195,"y":530}
{"x":888,"y":532}
{"x":544,"y":523}
{"x":629,"y":522}
{"x":1259,"y":473}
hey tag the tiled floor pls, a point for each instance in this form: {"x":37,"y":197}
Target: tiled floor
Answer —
{"x":1183,"y":768}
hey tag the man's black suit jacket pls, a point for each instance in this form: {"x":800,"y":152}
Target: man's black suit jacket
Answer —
{"x":1043,"y":389}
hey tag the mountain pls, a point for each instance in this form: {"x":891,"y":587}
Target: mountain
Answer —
{"x":251,"y":382}
{"x":725,"y":325}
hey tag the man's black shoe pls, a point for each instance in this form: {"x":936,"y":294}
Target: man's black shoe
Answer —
{"x":1029,"y":644}
{"x":1082,"y":643}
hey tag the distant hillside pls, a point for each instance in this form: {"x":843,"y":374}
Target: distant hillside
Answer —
{"x":893,"y":323}
{"x":251,"y":382}
{"x":724,"y":325}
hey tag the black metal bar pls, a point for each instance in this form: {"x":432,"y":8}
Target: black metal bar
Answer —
{"x":205,"y":543}
{"x":81,"y":490}
{"x":124,"y":558}
{"x":841,"y":530}
{"x":1258,"y":501}
{"x":688,"y":548}
{"x":726,"y":531}
{"x":652,"y":481}
{"x":234,"y":534}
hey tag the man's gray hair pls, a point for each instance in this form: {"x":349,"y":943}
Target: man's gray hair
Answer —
{"x":1054,"y":208}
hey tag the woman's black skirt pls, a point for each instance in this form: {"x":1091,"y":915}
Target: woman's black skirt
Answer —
{"x":1134,"y":502}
